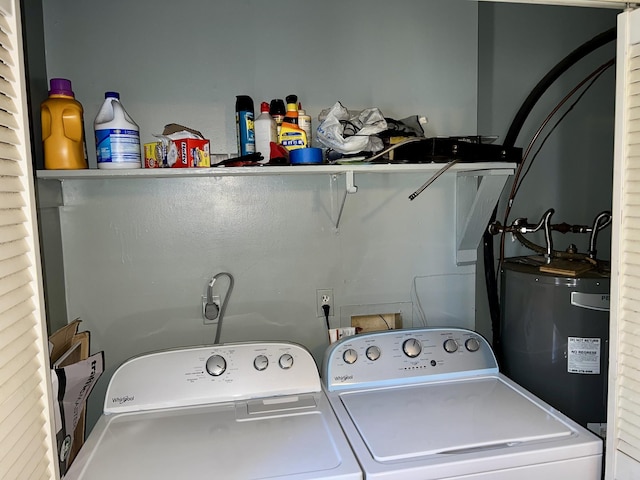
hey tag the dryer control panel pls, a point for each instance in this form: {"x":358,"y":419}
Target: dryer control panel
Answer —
{"x":211,"y":374}
{"x":403,"y":356}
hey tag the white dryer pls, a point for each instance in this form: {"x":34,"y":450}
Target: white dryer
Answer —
{"x":430,"y":403}
{"x":233,"y":411}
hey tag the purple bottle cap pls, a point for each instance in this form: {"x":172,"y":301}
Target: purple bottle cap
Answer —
{"x":60,"y":86}
{"x":112,"y":95}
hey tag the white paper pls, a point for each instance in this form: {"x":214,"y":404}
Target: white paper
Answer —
{"x":74,"y":383}
{"x":583,"y":355}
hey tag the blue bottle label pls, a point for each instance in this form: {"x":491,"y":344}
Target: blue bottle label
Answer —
{"x":245,"y":130}
{"x":117,"y":145}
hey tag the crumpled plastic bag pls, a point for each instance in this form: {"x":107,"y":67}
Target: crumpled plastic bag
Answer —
{"x":348,"y":134}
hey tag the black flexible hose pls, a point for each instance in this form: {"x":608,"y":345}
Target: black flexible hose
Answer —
{"x":509,"y":141}
{"x":542,"y":86}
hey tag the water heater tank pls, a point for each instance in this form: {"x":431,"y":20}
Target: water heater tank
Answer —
{"x":555,"y":336}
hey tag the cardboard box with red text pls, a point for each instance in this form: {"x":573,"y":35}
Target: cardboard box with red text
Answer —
{"x":184,"y":153}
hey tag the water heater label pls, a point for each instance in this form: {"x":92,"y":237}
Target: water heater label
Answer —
{"x":591,"y":301}
{"x":583,"y":355}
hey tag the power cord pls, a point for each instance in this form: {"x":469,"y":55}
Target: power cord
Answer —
{"x":325,"y":309}
{"x":385,"y":322}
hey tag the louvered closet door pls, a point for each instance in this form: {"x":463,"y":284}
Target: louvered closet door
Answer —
{"x":26,"y":445}
{"x":623,"y":435}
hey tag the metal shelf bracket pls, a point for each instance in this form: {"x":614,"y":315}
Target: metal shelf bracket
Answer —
{"x":350,"y":188}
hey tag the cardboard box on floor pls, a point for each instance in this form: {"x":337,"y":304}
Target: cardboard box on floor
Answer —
{"x":73,"y":374}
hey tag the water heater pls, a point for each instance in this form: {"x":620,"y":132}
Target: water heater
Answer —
{"x":554,"y":333}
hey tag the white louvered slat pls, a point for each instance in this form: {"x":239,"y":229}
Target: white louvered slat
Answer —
{"x":27,"y":445}
{"x":15,"y":266}
{"x":17,"y":313}
{"x":633,"y":174}
{"x":8,"y":152}
{"x":11,"y":200}
{"x":12,"y":233}
{"x":6,"y":103}
{"x":12,"y":216}
{"x":9,"y":183}
{"x":631,"y":256}
{"x":5,"y":56}
{"x":7,"y":135}
{"x":6,"y":119}
{"x":30,"y":399}
{"x":19,"y":247}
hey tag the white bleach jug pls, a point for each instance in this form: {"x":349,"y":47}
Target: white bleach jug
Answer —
{"x":117,"y":135}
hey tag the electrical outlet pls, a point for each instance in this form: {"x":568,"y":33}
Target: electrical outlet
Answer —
{"x":211,"y":310}
{"x":324,"y":297}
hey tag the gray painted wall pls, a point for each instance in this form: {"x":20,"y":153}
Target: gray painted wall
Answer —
{"x":132,"y":257}
{"x":187,"y":64}
{"x":573,"y":173}
{"x":137,"y":254}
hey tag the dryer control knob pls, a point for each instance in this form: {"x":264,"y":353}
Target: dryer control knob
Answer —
{"x":216,"y":365}
{"x":450,"y":345}
{"x":261,"y":362}
{"x":286,"y":361}
{"x":350,"y":356}
{"x":373,"y":353}
{"x":412,"y":348}
{"x":472,"y":344}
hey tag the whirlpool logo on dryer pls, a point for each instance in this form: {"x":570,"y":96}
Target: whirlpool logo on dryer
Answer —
{"x":123,"y":399}
{"x":343,"y":378}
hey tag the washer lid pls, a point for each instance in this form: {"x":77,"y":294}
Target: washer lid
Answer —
{"x":292,"y":437}
{"x":446,"y":418}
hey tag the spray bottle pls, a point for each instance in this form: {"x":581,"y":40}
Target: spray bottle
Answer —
{"x":245,"y":129}
{"x":266,"y":132}
{"x":277,"y":110}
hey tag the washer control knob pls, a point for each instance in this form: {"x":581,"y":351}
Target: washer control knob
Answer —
{"x":216,"y":365}
{"x":261,"y":362}
{"x":286,"y":361}
{"x":350,"y":356}
{"x":373,"y":353}
{"x":450,"y":345}
{"x":412,"y":348}
{"x":472,"y":344}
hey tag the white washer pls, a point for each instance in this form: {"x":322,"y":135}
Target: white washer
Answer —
{"x":233,"y":411}
{"x":430,"y":403}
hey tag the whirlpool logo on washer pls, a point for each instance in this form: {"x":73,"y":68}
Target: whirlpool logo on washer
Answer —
{"x":123,"y":399}
{"x":343,"y":378}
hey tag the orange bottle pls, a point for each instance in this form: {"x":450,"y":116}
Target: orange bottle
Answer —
{"x":291,"y":135}
{"x":63,"y":128}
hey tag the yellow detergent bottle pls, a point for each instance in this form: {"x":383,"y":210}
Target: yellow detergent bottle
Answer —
{"x":292,"y":136}
{"x":62,"y":128}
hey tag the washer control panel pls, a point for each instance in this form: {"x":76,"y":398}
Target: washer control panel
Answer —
{"x":406,"y":355}
{"x":211,"y":374}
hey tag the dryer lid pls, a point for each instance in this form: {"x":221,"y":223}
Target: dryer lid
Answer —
{"x":447,"y":418}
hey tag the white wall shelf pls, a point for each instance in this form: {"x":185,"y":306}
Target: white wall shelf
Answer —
{"x":478,"y":187}
{"x":480,"y":168}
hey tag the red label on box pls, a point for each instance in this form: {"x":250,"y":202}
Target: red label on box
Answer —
{"x":188,"y":153}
